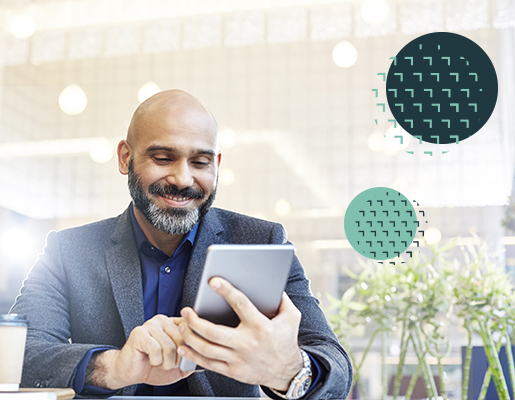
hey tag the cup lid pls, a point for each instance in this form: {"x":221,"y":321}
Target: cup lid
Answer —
{"x":14,"y":319}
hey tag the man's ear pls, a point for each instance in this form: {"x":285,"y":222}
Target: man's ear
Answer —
{"x":124,"y":155}
{"x":219,"y":159}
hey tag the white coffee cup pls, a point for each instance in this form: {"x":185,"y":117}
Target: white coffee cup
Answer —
{"x":13,"y":334}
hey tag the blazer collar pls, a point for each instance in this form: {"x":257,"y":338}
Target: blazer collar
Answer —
{"x":209,"y":232}
{"x":123,"y":266}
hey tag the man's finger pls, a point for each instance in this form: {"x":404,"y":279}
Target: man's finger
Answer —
{"x":240,"y":303}
{"x":167,"y":345}
{"x":288,"y":310}
{"x":218,"y":366}
{"x":172,"y":331}
{"x":214,"y":333}
{"x":203,"y":346}
{"x":145,"y":343}
{"x":176,"y":320}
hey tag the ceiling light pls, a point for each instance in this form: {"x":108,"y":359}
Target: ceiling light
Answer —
{"x":397,"y":139}
{"x":345,"y":54}
{"x":226,"y":177}
{"x":73,"y":100}
{"x":148,"y":90}
{"x":389,"y":151}
{"x":376,"y":141}
{"x":432,"y":236}
{"x":101,"y":151}
{"x":22,"y":26}
{"x":282,"y":207}
{"x":375,"y":11}
{"x":228,"y":138}
{"x":14,"y":242}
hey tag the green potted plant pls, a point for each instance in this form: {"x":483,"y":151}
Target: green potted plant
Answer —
{"x":484,"y":296}
{"x":417,"y":299}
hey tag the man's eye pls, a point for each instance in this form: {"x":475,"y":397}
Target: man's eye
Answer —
{"x":162,"y":159}
{"x":200,"y":163}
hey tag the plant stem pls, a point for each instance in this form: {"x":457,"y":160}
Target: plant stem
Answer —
{"x":357,"y":369}
{"x":466,"y":365}
{"x":416,"y":338}
{"x":412,"y":382}
{"x":369,"y":345}
{"x":485,"y":384}
{"x":362,"y":388}
{"x":402,"y":356}
{"x":487,"y":378}
{"x":495,"y":363}
{"x":384,"y":367}
{"x":357,"y":378}
{"x":440,"y":371}
{"x":511,"y":364}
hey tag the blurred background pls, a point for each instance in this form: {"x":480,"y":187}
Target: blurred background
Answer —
{"x":291,"y":84}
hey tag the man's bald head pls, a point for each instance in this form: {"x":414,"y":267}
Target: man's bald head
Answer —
{"x":172,"y":159}
{"x":176,"y":107}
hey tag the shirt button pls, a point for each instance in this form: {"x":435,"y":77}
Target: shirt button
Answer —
{"x":167,"y":270}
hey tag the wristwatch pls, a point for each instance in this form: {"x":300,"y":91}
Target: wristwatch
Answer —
{"x":301,"y":383}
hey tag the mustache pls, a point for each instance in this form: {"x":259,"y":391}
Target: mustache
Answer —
{"x":173,"y":190}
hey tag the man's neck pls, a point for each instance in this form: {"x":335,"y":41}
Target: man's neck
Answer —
{"x":163,"y":241}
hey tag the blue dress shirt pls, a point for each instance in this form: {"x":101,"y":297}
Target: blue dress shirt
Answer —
{"x":163,"y":281}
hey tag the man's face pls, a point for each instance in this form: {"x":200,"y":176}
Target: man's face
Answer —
{"x":173,"y":168}
{"x":175,"y":221}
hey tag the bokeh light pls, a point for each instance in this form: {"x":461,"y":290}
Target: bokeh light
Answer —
{"x":22,"y":26}
{"x":73,"y":100}
{"x":345,"y":54}
{"x":432,"y":236}
{"x":147,"y":90}
{"x":375,"y":11}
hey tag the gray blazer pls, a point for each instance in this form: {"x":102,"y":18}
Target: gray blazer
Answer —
{"x":85,"y":291}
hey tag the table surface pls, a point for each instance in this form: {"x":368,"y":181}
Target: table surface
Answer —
{"x":186,"y":398}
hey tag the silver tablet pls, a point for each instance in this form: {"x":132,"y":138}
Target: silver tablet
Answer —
{"x":259,"y":271}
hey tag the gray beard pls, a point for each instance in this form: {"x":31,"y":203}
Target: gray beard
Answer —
{"x":174,"y":221}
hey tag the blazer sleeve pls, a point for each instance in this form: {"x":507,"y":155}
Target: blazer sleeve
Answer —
{"x":50,"y":357}
{"x":315,"y":335}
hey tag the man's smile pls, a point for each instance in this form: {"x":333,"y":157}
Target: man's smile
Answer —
{"x":175,"y":201}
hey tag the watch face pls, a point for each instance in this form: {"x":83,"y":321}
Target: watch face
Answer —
{"x":302,"y":387}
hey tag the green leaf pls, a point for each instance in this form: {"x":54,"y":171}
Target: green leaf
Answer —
{"x":349,"y":294}
{"x":355,"y":306}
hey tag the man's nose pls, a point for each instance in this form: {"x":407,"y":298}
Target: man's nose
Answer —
{"x":180,"y":175}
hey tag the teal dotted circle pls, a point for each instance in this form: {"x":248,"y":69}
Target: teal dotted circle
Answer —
{"x":380,"y":223}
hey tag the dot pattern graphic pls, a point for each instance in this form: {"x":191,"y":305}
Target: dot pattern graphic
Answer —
{"x":442,"y":88}
{"x":380,"y":223}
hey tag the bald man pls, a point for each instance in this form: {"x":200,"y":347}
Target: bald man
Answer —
{"x":109,"y":303}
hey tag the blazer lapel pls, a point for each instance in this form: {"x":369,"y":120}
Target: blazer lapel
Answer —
{"x":208,"y":233}
{"x":124,"y":270}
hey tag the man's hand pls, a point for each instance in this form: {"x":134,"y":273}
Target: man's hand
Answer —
{"x":258,"y":351}
{"x":149,"y":356}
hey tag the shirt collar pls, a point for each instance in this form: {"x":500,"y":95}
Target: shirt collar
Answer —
{"x":141,"y":238}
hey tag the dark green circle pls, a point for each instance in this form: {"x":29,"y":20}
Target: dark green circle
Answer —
{"x":430,"y":100}
{"x":380,"y":223}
